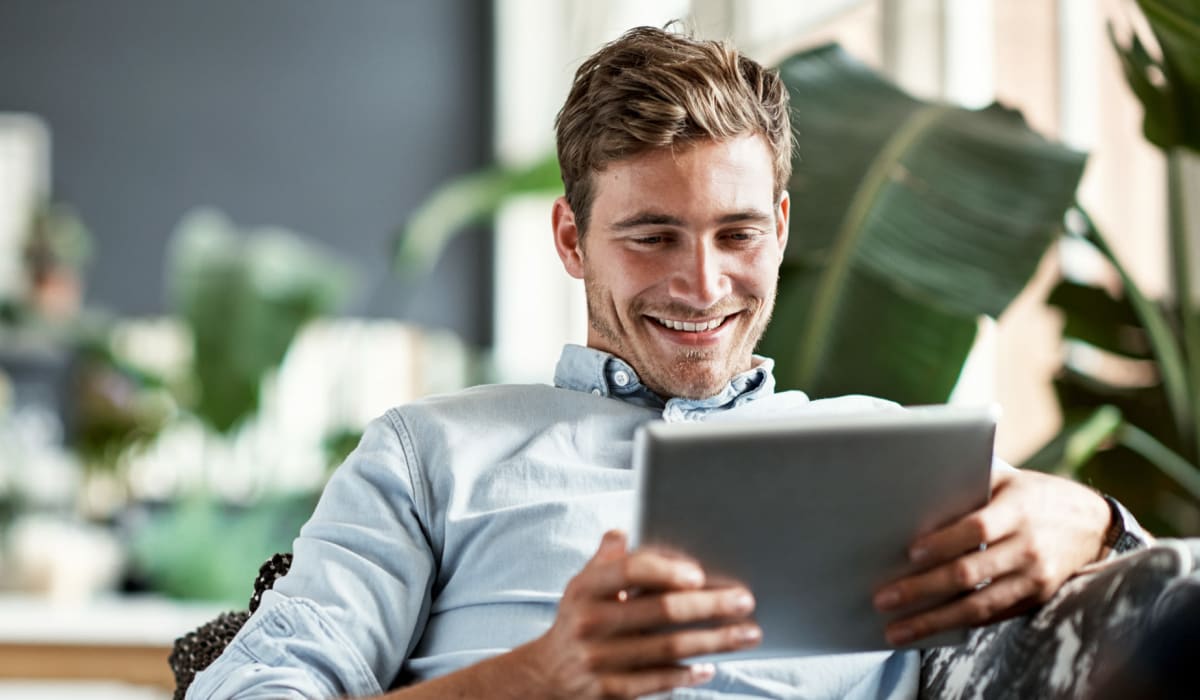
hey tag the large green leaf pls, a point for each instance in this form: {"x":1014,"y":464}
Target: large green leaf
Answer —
{"x":922,"y":369}
{"x":909,"y":221}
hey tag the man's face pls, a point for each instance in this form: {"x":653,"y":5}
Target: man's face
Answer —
{"x":680,"y":261}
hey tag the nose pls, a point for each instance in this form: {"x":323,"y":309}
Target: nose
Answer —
{"x":700,"y":278}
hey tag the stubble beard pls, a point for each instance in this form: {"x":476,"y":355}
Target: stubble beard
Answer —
{"x":690,"y":374}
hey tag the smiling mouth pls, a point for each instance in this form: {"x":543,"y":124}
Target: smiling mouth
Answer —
{"x":698,"y":326}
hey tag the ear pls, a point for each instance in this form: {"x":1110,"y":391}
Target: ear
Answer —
{"x":781,"y":220}
{"x":566,"y":238}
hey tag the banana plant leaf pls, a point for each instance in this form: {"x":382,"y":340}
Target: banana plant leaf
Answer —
{"x":910,"y":220}
{"x":1168,"y":86}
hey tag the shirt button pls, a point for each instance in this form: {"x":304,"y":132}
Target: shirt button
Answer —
{"x":620,"y":377}
{"x":596,"y":392}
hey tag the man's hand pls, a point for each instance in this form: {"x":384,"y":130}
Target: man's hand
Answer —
{"x":607,"y":641}
{"x":1039,"y":530}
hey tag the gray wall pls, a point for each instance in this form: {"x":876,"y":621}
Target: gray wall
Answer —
{"x":330,"y":118}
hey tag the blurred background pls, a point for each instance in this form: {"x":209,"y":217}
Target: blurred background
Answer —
{"x":233,"y":233}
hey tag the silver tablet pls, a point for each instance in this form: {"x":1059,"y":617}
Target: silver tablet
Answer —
{"x":813,"y":514}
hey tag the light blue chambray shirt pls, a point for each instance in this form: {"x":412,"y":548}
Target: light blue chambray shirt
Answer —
{"x":449,"y":534}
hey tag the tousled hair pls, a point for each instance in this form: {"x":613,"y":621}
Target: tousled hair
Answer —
{"x":653,"y":89}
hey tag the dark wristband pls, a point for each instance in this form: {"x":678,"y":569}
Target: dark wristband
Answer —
{"x":1116,"y":537}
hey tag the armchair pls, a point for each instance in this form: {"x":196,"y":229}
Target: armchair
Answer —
{"x":1088,"y":641}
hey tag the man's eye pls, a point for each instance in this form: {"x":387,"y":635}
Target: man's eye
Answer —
{"x":742,"y":236}
{"x":649,"y":240}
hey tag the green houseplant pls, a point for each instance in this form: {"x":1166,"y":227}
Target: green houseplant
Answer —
{"x":1141,"y":439}
{"x":244,"y":296}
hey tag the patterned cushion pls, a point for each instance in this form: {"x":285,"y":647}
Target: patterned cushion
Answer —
{"x":1076,"y":644}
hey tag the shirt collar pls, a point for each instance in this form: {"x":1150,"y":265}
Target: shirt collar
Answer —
{"x":603,"y":374}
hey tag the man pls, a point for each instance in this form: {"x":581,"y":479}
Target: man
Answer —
{"x":454,"y":554}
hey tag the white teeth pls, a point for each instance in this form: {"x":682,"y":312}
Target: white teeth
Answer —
{"x":691,"y":327}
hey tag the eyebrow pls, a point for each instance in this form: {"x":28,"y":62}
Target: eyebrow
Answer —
{"x":652,"y":218}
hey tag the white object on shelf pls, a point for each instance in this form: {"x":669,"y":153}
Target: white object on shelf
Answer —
{"x":117,"y":620}
{"x":78,"y":690}
{"x":24,"y":183}
{"x":60,"y":559}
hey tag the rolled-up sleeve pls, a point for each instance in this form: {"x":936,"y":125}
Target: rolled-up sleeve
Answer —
{"x":354,"y":603}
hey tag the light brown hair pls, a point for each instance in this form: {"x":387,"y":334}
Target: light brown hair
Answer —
{"x":655,"y":89}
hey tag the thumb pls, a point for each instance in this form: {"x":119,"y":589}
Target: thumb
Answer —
{"x":613,"y":544}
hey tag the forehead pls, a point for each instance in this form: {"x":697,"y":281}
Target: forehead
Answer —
{"x":701,"y":176}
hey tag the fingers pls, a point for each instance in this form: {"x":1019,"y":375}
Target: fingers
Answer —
{"x":962,"y":574}
{"x":658,"y":610}
{"x":612,"y":545}
{"x":1039,"y":530}
{"x":655,"y":650}
{"x":611,"y":571}
{"x":617,"y":630}
{"x":995,"y":521}
{"x":672,"y":595}
{"x":994,"y":601}
{"x":1001,"y":477}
